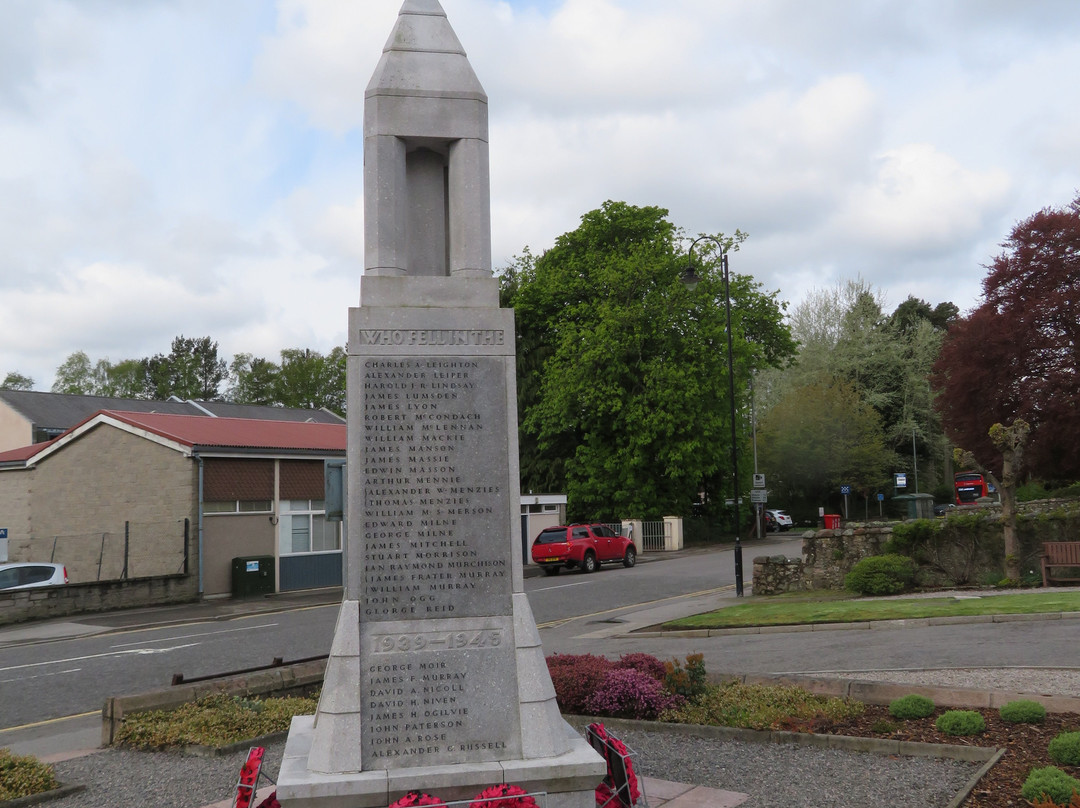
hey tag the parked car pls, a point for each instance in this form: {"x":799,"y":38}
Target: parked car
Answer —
{"x":783,"y":521}
{"x":581,"y":546}
{"x":25,"y":575}
{"x":942,"y":509}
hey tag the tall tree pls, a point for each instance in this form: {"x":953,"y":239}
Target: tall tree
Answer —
{"x":17,"y":381}
{"x":75,"y":376}
{"x":309,"y":379}
{"x":192,"y":370}
{"x":252,"y":380}
{"x":622,"y":371}
{"x":1017,"y":356}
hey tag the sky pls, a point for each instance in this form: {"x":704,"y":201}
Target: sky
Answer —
{"x":195,"y":167}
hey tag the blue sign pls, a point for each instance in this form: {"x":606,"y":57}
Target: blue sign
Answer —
{"x":3,"y":532}
{"x":845,"y":489}
{"x":880,"y":497}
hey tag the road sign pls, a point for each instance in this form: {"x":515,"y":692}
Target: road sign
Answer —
{"x":3,"y":532}
{"x":880,"y":497}
{"x":759,"y":495}
{"x":845,"y":489}
{"x":759,"y":481}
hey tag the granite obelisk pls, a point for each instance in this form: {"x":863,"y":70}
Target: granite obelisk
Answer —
{"x":436,"y":679}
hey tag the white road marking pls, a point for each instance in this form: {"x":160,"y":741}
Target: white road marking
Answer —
{"x":139,"y":651}
{"x":200,"y":634}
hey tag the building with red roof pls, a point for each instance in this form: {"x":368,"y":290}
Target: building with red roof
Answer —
{"x":122,"y":495}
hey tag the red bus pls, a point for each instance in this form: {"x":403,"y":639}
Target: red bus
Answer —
{"x":970,"y":485}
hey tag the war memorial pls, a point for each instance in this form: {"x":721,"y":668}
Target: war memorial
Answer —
{"x":436,"y":679}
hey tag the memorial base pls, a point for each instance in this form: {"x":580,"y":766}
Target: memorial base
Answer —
{"x":568,"y":780}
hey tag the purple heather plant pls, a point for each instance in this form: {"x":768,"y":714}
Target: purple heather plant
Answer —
{"x":576,"y":677}
{"x":629,"y":693}
{"x":646,"y":663}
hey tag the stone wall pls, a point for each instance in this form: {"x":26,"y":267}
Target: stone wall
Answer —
{"x":829,"y":555}
{"x":20,"y":605}
{"x":774,"y":575}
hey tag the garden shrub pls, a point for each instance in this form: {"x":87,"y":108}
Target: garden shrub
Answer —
{"x":881,"y":575}
{"x":646,"y":663}
{"x":576,"y":677}
{"x":734,"y":704}
{"x":23,"y":776}
{"x":630,"y":693}
{"x":960,"y":722}
{"x":1051,"y":782}
{"x":1023,"y":711}
{"x":215,"y":720}
{"x":911,"y":706}
{"x":1065,"y":749}
{"x":689,"y":681}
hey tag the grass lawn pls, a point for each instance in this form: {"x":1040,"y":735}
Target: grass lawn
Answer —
{"x":838,"y":607}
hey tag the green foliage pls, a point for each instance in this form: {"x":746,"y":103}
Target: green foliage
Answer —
{"x":960,"y":722}
{"x":884,"y":727}
{"x":881,"y":575}
{"x":688,"y":681}
{"x":763,"y":707}
{"x":23,"y":776}
{"x":620,"y":367}
{"x":907,"y":536}
{"x":1065,"y":749}
{"x":1051,"y":782}
{"x":911,"y":706}
{"x":1023,"y":711}
{"x":216,"y":720}
{"x":17,"y":381}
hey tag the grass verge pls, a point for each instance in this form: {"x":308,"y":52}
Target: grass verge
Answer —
{"x":798,"y":610}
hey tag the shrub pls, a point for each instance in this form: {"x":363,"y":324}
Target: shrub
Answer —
{"x":646,"y":663}
{"x":1023,"y":711}
{"x":881,"y":575}
{"x":214,"y":720}
{"x":576,"y":677}
{"x":630,"y":693}
{"x":911,"y":706}
{"x":883,"y":727}
{"x":1052,"y":782}
{"x":1065,"y":749}
{"x":762,"y":707}
{"x":960,"y":722}
{"x":689,"y":681}
{"x":23,"y":776}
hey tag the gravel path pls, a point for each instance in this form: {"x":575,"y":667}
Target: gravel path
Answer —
{"x":774,"y":776}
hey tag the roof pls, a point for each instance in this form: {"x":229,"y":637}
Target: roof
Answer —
{"x":199,"y":433}
{"x":61,"y":411}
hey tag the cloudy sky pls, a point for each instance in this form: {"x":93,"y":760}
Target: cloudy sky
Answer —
{"x":195,"y":166}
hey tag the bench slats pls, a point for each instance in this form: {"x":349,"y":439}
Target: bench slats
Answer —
{"x":1060,"y":554}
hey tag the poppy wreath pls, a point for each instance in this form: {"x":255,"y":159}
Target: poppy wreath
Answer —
{"x":249,"y":777}
{"x":604,"y":791}
{"x":417,"y":799}
{"x":270,"y":802}
{"x":503,"y":795}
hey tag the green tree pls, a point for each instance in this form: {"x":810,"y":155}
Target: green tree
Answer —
{"x":622,"y":372}
{"x":17,"y":381}
{"x":819,"y":437}
{"x":75,"y":376}
{"x":252,"y":380}
{"x":192,"y":370}
{"x":309,"y":379}
{"x":128,"y":378}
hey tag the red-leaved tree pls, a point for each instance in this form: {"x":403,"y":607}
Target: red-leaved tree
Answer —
{"x":1017,"y":356}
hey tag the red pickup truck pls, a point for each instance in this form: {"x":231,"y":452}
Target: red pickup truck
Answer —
{"x":585,"y":547}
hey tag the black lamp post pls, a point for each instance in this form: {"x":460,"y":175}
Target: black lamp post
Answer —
{"x":690,"y":280}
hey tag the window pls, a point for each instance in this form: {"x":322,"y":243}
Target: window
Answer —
{"x":239,"y":506}
{"x":304,"y":529}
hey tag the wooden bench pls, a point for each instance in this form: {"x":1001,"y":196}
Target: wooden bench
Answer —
{"x":1060,"y":555}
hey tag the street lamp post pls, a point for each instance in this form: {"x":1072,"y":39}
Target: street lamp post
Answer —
{"x":690,"y":279}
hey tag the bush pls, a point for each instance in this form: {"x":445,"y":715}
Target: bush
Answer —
{"x":689,"y":681}
{"x":576,"y":677}
{"x":960,"y":722}
{"x":630,"y":693}
{"x":1065,"y":749}
{"x":1051,"y":782}
{"x":646,"y":663}
{"x":1023,"y":711}
{"x":23,"y":776}
{"x":881,"y":575}
{"x":215,"y":720}
{"x":911,"y":706}
{"x":763,"y":707}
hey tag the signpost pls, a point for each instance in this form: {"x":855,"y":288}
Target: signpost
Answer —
{"x":845,"y":490}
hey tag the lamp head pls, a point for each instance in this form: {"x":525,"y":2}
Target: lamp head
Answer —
{"x":690,"y":279}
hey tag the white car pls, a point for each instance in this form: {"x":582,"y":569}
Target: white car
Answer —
{"x":27,"y":575}
{"x":783,"y":521}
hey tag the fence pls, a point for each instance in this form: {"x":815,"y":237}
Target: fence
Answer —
{"x":653,"y":537}
{"x":137,"y":550}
